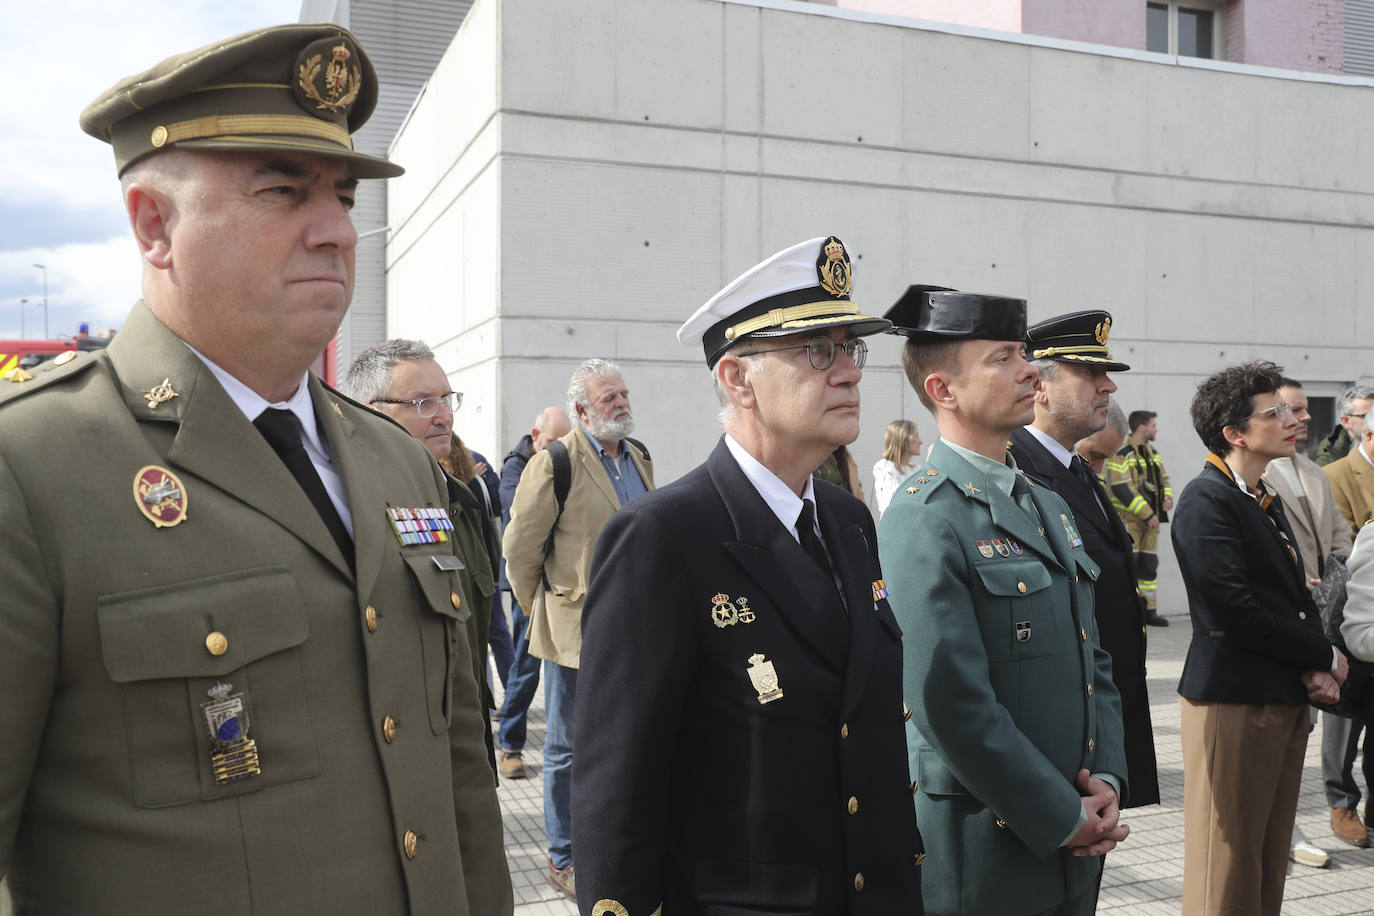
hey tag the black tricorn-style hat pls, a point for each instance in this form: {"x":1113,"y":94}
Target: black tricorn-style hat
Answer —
{"x":1078,"y":337}
{"x":302,"y":88}
{"x":940,"y":313}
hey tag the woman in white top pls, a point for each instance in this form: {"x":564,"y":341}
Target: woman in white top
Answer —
{"x":901,"y":449}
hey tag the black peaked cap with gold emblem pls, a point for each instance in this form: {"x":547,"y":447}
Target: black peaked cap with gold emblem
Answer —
{"x":939,"y":313}
{"x":1078,"y":337}
{"x":291,"y":88}
{"x":802,"y":288}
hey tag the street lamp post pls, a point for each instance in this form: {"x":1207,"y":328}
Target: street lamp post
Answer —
{"x":23,"y":329}
{"x":44,"y":268}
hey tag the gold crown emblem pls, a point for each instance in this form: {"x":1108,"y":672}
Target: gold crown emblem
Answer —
{"x":341,"y":53}
{"x":834,"y":250}
{"x":720,"y":598}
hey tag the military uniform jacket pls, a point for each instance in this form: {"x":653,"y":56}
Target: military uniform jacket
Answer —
{"x":694,"y":786}
{"x":375,"y":795}
{"x":1116,"y":605}
{"x":1011,"y":691}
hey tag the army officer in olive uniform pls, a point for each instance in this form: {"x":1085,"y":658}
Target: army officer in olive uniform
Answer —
{"x":235,"y":673}
{"x":739,"y":699}
{"x":1016,"y":737}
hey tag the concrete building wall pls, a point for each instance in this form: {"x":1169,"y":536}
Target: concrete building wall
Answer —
{"x":582,"y":178}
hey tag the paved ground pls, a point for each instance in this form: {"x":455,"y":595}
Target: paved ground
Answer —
{"x":1143,"y":878}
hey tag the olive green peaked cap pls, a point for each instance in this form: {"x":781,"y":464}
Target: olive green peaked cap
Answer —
{"x":290,"y":88}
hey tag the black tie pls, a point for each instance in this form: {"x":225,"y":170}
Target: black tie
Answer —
{"x":1085,"y":477}
{"x":806,"y":531}
{"x":282,"y":431}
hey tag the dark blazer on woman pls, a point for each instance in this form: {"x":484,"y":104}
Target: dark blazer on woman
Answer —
{"x":1255,"y":628}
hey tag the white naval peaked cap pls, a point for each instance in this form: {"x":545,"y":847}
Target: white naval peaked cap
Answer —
{"x":801,"y":288}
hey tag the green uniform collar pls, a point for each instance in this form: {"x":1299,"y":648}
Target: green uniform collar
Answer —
{"x":1000,"y":475}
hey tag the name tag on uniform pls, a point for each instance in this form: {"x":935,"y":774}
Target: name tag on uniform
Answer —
{"x":447,"y":562}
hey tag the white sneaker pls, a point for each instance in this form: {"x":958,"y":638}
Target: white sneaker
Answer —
{"x":1304,"y":853}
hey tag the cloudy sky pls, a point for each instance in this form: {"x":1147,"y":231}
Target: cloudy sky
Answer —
{"x":59,"y":198}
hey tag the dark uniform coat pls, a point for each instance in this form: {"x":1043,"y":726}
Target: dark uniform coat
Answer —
{"x":690,"y":792}
{"x":375,"y":795}
{"x":1011,"y":691}
{"x":1117,"y":605}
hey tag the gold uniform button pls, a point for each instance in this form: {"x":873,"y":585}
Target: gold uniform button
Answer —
{"x":859,"y":881}
{"x":1021,"y":587}
{"x":1090,"y":690}
{"x":64,"y":357}
{"x":853,"y":805}
{"x":457,"y":602}
{"x":1092,"y":745}
{"x":389,"y":729}
{"x":159,"y":137}
{"x":1302,"y":615}
{"x":370,"y":616}
{"x":412,"y":844}
{"x":844,"y":730}
{"x":920,"y":858}
{"x":217,"y":643}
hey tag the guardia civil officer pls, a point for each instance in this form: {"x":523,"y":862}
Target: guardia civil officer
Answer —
{"x":235,"y":673}
{"x":1016,"y":737}
{"x":739,"y":698}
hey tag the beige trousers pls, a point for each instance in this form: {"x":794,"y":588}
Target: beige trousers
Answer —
{"x":1242,"y":766}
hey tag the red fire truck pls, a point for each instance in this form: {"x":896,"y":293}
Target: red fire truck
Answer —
{"x":25,"y":354}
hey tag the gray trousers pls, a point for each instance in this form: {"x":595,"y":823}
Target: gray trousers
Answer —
{"x":1340,"y":743}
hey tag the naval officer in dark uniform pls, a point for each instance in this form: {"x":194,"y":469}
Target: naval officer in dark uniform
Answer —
{"x":1015,"y":741}
{"x":235,"y":673}
{"x":741,"y":669}
{"x":1071,"y":402}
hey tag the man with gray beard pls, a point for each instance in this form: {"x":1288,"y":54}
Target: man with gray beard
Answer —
{"x":567,"y":493}
{"x":1072,"y":401}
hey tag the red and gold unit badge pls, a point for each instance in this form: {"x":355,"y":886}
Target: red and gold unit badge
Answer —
{"x":160,"y":496}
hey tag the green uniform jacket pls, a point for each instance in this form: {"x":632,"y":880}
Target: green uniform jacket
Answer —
{"x":1011,"y":693}
{"x":375,"y":795}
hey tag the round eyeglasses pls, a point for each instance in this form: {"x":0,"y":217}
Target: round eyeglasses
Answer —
{"x":427,"y":407}
{"x":821,"y":350}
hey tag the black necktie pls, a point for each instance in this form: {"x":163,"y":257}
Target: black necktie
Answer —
{"x":282,"y":431}
{"x":1085,"y":477}
{"x":806,"y":531}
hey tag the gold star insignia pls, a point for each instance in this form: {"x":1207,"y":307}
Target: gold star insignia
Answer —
{"x":18,"y":375}
{"x":913,"y":490}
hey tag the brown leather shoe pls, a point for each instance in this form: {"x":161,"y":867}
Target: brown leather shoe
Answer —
{"x":1345,"y":823}
{"x":512,"y":765}
{"x":563,"y":879}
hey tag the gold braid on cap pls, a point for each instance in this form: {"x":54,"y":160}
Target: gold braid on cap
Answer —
{"x":1088,"y":353}
{"x":776,"y":318}
{"x":232,"y":125}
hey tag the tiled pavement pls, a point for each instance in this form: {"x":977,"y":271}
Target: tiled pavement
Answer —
{"x":1144,"y":877}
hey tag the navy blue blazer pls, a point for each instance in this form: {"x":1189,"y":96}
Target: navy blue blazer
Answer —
{"x":1255,"y":627}
{"x":741,"y":744}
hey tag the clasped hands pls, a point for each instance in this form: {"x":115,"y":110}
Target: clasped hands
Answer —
{"x":1103,"y":829}
{"x":1325,"y":686}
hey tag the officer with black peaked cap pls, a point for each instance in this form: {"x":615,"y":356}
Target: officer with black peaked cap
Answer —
{"x":741,"y":670}
{"x":1015,"y":745}
{"x":1075,"y":391}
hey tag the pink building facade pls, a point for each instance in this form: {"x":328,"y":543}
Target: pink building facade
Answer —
{"x":1295,"y":34}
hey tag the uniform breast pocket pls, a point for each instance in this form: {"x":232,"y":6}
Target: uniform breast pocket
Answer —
{"x":1016,"y":609}
{"x":169,"y":646}
{"x":444,"y":633}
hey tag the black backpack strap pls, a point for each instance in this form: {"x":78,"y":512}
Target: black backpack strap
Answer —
{"x":562,"y":483}
{"x":640,"y":447}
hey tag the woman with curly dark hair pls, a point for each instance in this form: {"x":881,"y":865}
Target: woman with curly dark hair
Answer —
{"x":1257,"y":654}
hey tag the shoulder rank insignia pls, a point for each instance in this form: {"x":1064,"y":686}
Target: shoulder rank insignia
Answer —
{"x":18,"y":375}
{"x":160,"y":394}
{"x":233,"y":755}
{"x":913,"y":489}
{"x":423,"y":525}
{"x":764,"y":678}
{"x":160,"y":496}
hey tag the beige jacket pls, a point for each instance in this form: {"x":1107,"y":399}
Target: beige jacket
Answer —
{"x":555,"y":629}
{"x":1317,"y":522}
{"x":1352,"y":480}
